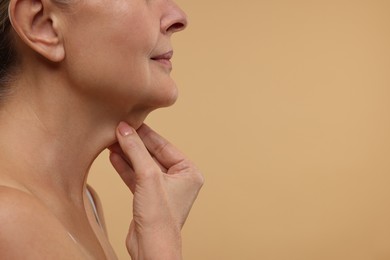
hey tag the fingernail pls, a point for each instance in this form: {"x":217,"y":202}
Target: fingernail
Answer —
{"x":125,"y":129}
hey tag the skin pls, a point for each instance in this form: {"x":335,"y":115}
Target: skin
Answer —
{"x":86,"y":75}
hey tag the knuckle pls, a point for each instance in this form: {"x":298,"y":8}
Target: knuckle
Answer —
{"x":148,"y":173}
{"x":199,"y":179}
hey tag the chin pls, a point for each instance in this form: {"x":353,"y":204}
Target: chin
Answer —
{"x":138,"y":113}
{"x":164,"y":93}
{"x":170,"y":96}
{"x":172,"y":99}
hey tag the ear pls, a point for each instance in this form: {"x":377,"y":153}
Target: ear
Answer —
{"x":35,"y":23}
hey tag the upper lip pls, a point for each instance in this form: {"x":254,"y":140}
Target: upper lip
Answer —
{"x":166,"y":56}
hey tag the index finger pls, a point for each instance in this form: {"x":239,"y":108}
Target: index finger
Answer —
{"x":166,"y":153}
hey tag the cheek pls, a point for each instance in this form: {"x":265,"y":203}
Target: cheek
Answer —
{"x":112,"y":62}
{"x":108,"y":60}
{"x":109,"y":80}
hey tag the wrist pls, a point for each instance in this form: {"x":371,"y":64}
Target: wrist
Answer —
{"x":155,"y":245}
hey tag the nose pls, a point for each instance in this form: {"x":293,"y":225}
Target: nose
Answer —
{"x":174,"y":20}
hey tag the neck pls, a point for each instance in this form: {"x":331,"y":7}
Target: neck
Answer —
{"x":50,"y":137}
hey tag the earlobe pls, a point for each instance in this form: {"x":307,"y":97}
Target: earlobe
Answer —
{"x":34,"y":22}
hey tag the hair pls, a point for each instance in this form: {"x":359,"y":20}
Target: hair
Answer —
{"x":8,"y":56}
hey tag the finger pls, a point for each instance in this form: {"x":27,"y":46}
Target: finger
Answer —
{"x":167,"y":154}
{"x":135,"y":150}
{"x":116,"y":148}
{"x":124,"y":170}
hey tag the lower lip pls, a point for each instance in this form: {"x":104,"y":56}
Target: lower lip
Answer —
{"x":166,"y":63}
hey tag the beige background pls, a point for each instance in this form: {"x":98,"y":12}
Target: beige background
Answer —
{"x":285,"y":107}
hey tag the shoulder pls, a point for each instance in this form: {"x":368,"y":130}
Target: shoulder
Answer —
{"x":19,"y":213}
{"x":28,"y":230}
{"x":17,"y":204}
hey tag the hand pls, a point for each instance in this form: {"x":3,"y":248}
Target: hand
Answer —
{"x":165,"y":185}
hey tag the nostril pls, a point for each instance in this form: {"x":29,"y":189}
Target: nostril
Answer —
{"x":176,"y":27}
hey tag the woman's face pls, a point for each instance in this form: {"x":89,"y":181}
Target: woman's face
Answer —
{"x":118,"y":51}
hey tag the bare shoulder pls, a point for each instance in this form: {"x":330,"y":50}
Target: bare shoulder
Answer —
{"x":16,"y":206}
{"x":29,"y":231}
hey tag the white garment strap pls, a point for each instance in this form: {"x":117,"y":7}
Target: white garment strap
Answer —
{"x":89,"y":195}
